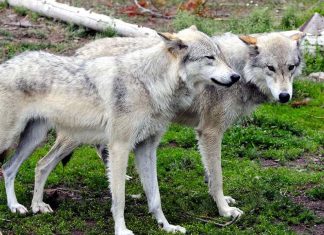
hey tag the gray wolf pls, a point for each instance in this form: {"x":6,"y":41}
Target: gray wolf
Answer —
{"x":120,"y":102}
{"x":268,"y":64}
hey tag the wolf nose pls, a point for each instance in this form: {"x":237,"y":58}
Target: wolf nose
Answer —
{"x":235,"y":77}
{"x":284,"y":97}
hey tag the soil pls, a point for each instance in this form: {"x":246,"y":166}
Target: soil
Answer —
{"x":314,"y":205}
{"x":269,"y":163}
{"x":307,"y":160}
{"x":313,"y":230}
{"x":317,"y":206}
{"x":17,"y":29}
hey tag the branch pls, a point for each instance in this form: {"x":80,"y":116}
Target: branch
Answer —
{"x":212,"y":221}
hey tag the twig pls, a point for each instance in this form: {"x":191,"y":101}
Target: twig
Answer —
{"x":212,"y":221}
{"x":22,"y":25}
{"x":156,"y":14}
{"x":49,"y":190}
{"x":179,"y":6}
{"x":316,"y":117}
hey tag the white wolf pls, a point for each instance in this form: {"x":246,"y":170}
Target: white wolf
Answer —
{"x":210,"y":119}
{"x":268,"y":66}
{"x":119,"y":101}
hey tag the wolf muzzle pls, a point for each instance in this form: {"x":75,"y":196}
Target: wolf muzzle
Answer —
{"x":234,"y":78}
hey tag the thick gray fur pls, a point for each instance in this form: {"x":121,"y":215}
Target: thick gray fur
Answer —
{"x":116,"y":101}
{"x":215,"y":108}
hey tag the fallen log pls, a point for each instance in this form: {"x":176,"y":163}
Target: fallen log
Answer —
{"x":80,"y":16}
{"x":100,"y":22}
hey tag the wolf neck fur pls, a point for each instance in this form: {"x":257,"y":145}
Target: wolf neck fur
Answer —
{"x":162,"y":79}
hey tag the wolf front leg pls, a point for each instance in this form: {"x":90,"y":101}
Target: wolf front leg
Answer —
{"x":33,"y":135}
{"x":62,"y":147}
{"x":117,"y":166}
{"x":145,"y":154}
{"x":210,"y":148}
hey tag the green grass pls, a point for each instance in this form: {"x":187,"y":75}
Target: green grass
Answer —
{"x":315,"y":63}
{"x":274,"y":131}
{"x":3,"y":5}
{"x":260,"y":20}
{"x":22,"y":11}
{"x":12,"y":48}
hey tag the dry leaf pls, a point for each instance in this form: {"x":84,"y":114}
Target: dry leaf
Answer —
{"x":192,"y":5}
{"x":297,"y":104}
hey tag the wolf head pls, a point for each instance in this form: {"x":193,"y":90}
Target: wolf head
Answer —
{"x":274,"y":62}
{"x":201,"y":58}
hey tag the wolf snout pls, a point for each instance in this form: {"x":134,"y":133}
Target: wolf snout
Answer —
{"x":235,"y":77}
{"x":284,"y":97}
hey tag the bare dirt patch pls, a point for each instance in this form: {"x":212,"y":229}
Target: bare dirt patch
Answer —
{"x":55,"y":195}
{"x":306,"y":161}
{"x":317,"y":206}
{"x":269,"y":163}
{"x":20,"y":30}
{"x":316,"y":229}
{"x":77,"y":232}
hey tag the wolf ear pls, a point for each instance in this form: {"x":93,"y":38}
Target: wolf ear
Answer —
{"x":172,"y":42}
{"x":297,"y":37}
{"x":251,"y":42}
{"x":193,"y":27}
{"x":248,"y":39}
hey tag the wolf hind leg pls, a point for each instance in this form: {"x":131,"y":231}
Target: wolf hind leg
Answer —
{"x":33,"y":135}
{"x":62,"y":147}
{"x":103,"y":154}
{"x":145,"y":154}
{"x":210,"y":148}
{"x":117,"y":166}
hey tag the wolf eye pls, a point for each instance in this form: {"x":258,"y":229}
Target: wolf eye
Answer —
{"x":210,"y":57}
{"x":271,"y":68}
{"x":291,"y":67}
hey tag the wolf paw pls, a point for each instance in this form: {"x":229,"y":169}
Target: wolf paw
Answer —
{"x":229,"y":200}
{"x":231,"y":212}
{"x":18,"y":208}
{"x":172,"y":228}
{"x":124,"y":232}
{"x":128,"y":177}
{"x":41,"y":207}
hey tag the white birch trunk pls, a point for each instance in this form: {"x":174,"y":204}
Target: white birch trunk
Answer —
{"x":80,"y":16}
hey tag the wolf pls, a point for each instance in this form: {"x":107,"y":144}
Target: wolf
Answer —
{"x":268,"y":64}
{"x":210,"y":120}
{"x":119,"y":101}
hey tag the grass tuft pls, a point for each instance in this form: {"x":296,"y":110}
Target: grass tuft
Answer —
{"x":22,"y":11}
{"x":109,"y":32}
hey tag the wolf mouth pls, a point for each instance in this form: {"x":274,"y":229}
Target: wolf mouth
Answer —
{"x":222,"y":84}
